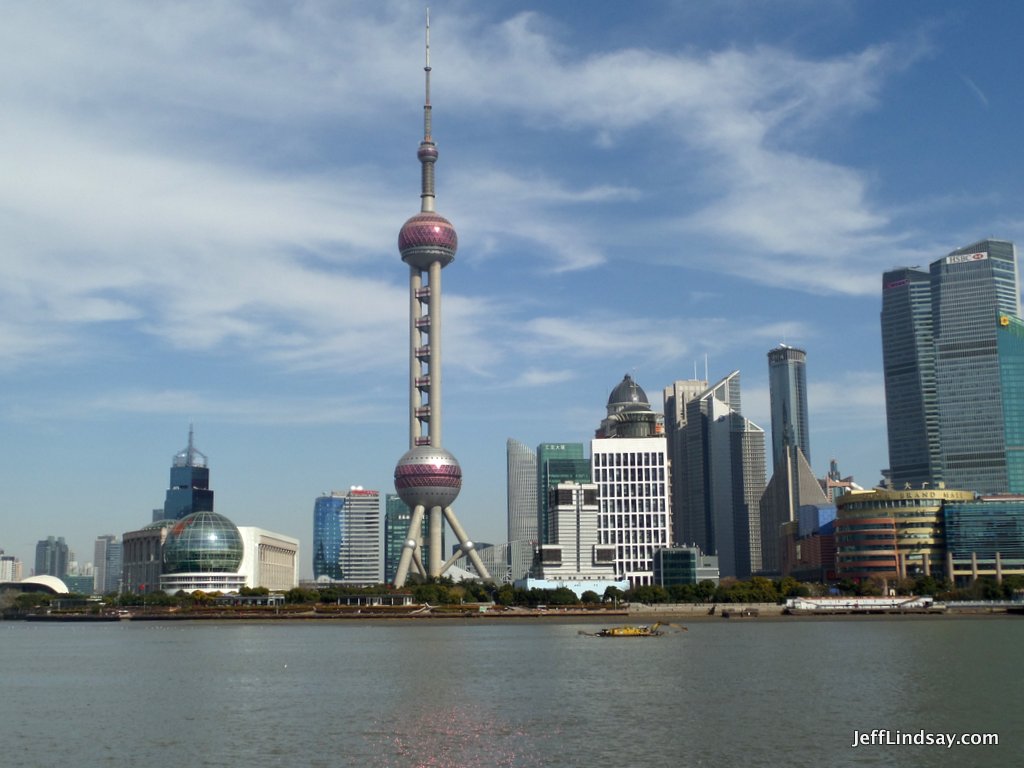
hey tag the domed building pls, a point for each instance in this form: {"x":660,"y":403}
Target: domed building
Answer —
{"x":203,"y":551}
{"x":629,"y":413}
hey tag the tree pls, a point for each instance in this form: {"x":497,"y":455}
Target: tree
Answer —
{"x":590,"y":597}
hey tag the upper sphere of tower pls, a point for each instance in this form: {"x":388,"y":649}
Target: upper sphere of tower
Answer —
{"x":427,"y":152}
{"x":427,"y":237}
{"x":428,"y":476}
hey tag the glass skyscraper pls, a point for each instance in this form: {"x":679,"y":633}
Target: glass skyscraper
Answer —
{"x":52,"y":556}
{"x":396,"y":527}
{"x":969,"y":286}
{"x":908,"y":359}
{"x":787,"y":388}
{"x":327,"y":515}
{"x":190,"y":484}
{"x":1010,"y":347}
{"x":944,"y":401}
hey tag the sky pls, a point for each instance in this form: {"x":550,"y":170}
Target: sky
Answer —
{"x":200,"y":202}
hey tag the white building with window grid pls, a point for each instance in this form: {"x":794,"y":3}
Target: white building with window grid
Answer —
{"x":631,"y":474}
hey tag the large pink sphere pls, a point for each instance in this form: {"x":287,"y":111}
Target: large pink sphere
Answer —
{"x":429,"y":477}
{"x":426,"y":238}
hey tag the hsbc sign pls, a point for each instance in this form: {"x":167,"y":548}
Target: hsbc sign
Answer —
{"x":961,"y":258}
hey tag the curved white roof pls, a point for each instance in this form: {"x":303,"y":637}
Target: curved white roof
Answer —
{"x":52,"y":582}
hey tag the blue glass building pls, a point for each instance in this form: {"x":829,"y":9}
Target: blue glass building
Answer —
{"x":1010,"y":347}
{"x":397,"y":516}
{"x":190,"y":483}
{"x":327,"y":535}
{"x":787,"y":388}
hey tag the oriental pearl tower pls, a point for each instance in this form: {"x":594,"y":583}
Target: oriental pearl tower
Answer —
{"x":427,"y":477}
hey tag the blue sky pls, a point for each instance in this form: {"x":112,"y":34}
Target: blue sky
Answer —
{"x":199,"y":206}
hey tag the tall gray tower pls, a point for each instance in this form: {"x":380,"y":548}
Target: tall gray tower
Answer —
{"x":427,"y":477}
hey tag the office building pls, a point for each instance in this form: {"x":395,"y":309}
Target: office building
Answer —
{"x":676,"y":396}
{"x":428,"y":477}
{"x":908,"y":359}
{"x":737,"y":475}
{"x":522,"y":505}
{"x":557,"y":463}
{"x":189,"y":489}
{"x":675,"y":566}
{"x":10,"y":568}
{"x":1010,"y":352}
{"x":963,"y":421}
{"x":984,"y":537}
{"x":787,"y":389}
{"x":629,"y":464}
{"x":327,"y":535}
{"x":107,"y":554}
{"x":52,"y":557}
{"x":396,"y":528}
{"x":575,"y":558}
{"x":793,"y":483}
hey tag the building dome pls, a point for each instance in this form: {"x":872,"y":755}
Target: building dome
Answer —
{"x":203,"y":542}
{"x":627,"y":394}
{"x":428,"y":477}
{"x":426,"y":238}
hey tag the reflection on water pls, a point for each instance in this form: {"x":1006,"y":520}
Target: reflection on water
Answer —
{"x":477,"y":693}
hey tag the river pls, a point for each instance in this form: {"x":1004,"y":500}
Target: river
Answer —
{"x":502,"y":693}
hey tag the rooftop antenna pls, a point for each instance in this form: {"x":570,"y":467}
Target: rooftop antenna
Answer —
{"x":706,"y":367}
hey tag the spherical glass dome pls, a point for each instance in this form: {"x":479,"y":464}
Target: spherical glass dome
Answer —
{"x":203,"y":542}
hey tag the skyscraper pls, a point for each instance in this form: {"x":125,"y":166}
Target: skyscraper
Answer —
{"x":969,"y":287}
{"x":787,"y":388}
{"x":522,"y":505}
{"x":694,"y":510}
{"x":557,"y":463}
{"x":1010,"y":348}
{"x":52,"y":557}
{"x":675,"y":398}
{"x":942,"y":371}
{"x":396,"y":528}
{"x":346,"y":537}
{"x":190,"y":483}
{"x":737,"y":482}
{"x":427,"y":477}
{"x":327,"y":535}
{"x":908,"y":359}
{"x":106,"y":564}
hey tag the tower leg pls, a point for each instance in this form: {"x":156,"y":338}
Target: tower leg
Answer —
{"x":411,"y":539}
{"x":467,"y":545}
{"x":435,"y":555}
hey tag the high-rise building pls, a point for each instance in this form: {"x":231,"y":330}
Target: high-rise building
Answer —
{"x":675,"y":398}
{"x":629,"y":464}
{"x":142,"y":557}
{"x":694,"y":510}
{"x":360,"y":537}
{"x":969,"y":287}
{"x":787,"y":389}
{"x":52,"y":557}
{"x":327,"y":535}
{"x":962,"y":421}
{"x":738,"y":479}
{"x":575,"y":558}
{"x":106,"y":565}
{"x":190,"y":484}
{"x":396,"y":530}
{"x":522,"y":504}
{"x":1010,"y":349}
{"x":908,"y":359}
{"x":557,"y":463}
{"x":427,"y":477}
{"x":10,"y":568}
